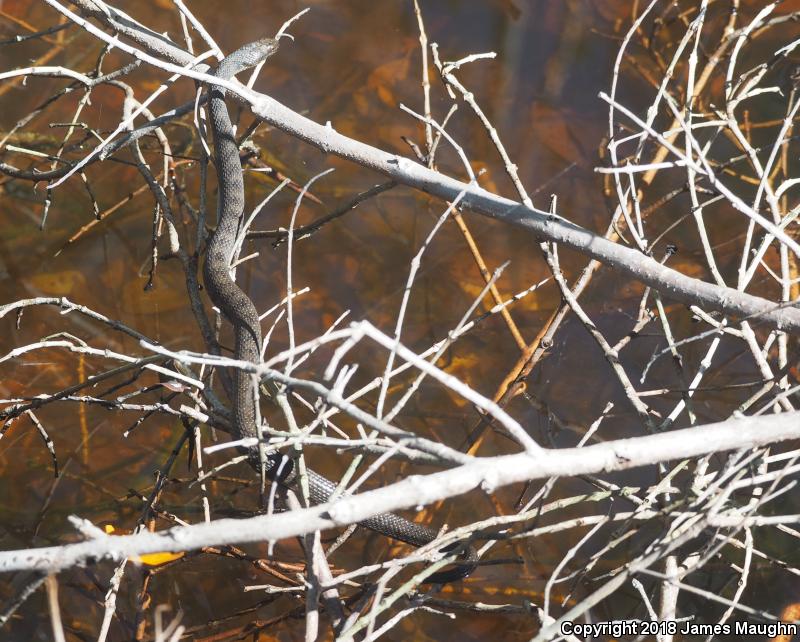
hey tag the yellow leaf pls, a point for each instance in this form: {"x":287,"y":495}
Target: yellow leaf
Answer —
{"x":156,"y":559}
{"x":58,"y":283}
{"x":150,"y":559}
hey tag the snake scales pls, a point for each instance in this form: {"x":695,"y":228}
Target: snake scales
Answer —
{"x":240,"y":311}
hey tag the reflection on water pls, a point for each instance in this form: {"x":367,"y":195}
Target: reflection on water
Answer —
{"x":351,"y":64}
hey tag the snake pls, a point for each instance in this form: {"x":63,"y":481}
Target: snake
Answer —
{"x":238,"y":308}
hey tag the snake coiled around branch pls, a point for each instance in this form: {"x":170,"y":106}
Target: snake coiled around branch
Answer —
{"x":239,"y":310}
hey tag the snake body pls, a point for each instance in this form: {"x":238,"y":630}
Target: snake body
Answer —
{"x":239,"y":309}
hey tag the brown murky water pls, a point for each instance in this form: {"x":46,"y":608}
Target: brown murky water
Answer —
{"x":352,"y":63}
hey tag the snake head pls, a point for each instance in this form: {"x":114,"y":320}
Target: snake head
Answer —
{"x":254,"y":52}
{"x":246,"y":56}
